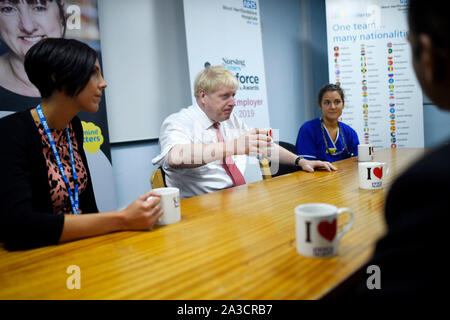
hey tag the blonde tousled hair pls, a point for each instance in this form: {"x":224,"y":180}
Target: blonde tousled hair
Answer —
{"x":211,"y":78}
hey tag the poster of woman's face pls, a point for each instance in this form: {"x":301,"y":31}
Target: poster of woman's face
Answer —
{"x":22,"y":24}
{"x":25,"y":22}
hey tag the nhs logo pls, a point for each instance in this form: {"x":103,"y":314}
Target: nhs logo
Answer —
{"x":249,"y":4}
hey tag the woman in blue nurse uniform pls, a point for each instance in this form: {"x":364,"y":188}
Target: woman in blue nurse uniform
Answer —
{"x":326,"y":138}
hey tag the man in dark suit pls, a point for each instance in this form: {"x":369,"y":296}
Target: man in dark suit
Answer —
{"x":409,"y":260}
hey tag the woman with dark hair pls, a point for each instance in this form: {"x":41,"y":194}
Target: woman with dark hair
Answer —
{"x":46,"y":188}
{"x":326,"y":138}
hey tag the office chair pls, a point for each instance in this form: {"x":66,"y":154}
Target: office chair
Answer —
{"x":283,"y":168}
{"x":157,"y":179}
{"x":265,"y":168}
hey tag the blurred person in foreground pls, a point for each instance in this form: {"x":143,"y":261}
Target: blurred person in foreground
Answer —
{"x":409,"y":256}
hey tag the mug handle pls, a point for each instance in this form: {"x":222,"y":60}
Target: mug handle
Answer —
{"x":349,"y":225}
{"x":387,"y":168}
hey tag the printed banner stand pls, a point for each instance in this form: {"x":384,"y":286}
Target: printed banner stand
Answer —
{"x":228,"y":33}
{"x":369,"y":57}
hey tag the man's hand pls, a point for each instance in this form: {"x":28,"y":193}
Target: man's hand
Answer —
{"x":253,"y":141}
{"x":308,"y":165}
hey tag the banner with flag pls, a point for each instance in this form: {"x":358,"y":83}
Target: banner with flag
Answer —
{"x":370,"y":58}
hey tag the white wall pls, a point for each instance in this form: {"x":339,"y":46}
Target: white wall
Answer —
{"x":144,"y":63}
{"x":132,"y":168}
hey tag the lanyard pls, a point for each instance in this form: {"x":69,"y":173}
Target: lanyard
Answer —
{"x":332,"y":151}
{"x":74,"y":201}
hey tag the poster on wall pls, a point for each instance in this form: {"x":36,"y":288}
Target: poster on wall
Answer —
{"x":228,"y":33}
{"x":25,"y":22}
{"x":369,"y":57}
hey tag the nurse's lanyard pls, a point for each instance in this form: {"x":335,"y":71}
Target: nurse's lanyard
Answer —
{"x":73,"y":200}
{"x":332,"y":151}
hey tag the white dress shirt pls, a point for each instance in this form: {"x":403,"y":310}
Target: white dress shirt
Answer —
{"x":192,"y":126}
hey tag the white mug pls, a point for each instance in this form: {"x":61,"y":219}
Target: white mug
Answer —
{"x":170,"y":204}
{"x":371,"y":174}
{"x":365,"y":152}
{"x":316,"y":229}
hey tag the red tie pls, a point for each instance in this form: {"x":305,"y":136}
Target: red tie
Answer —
{"x":228,"y":163}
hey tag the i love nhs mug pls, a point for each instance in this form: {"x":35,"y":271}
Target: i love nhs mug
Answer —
{"x":365,"y":152}
{"x":170,"y":204}
{"x":316,"y":227}
{"x":372,"y":174}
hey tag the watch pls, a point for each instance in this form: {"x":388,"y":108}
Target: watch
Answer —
{"x":298,"y":160}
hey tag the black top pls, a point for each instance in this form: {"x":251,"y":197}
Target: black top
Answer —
{"x":26,"y":211}
{"x":411,"y":255}
{"x":10,"y":100}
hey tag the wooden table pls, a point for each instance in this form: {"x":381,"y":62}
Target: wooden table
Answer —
{"x":238,"y":243}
